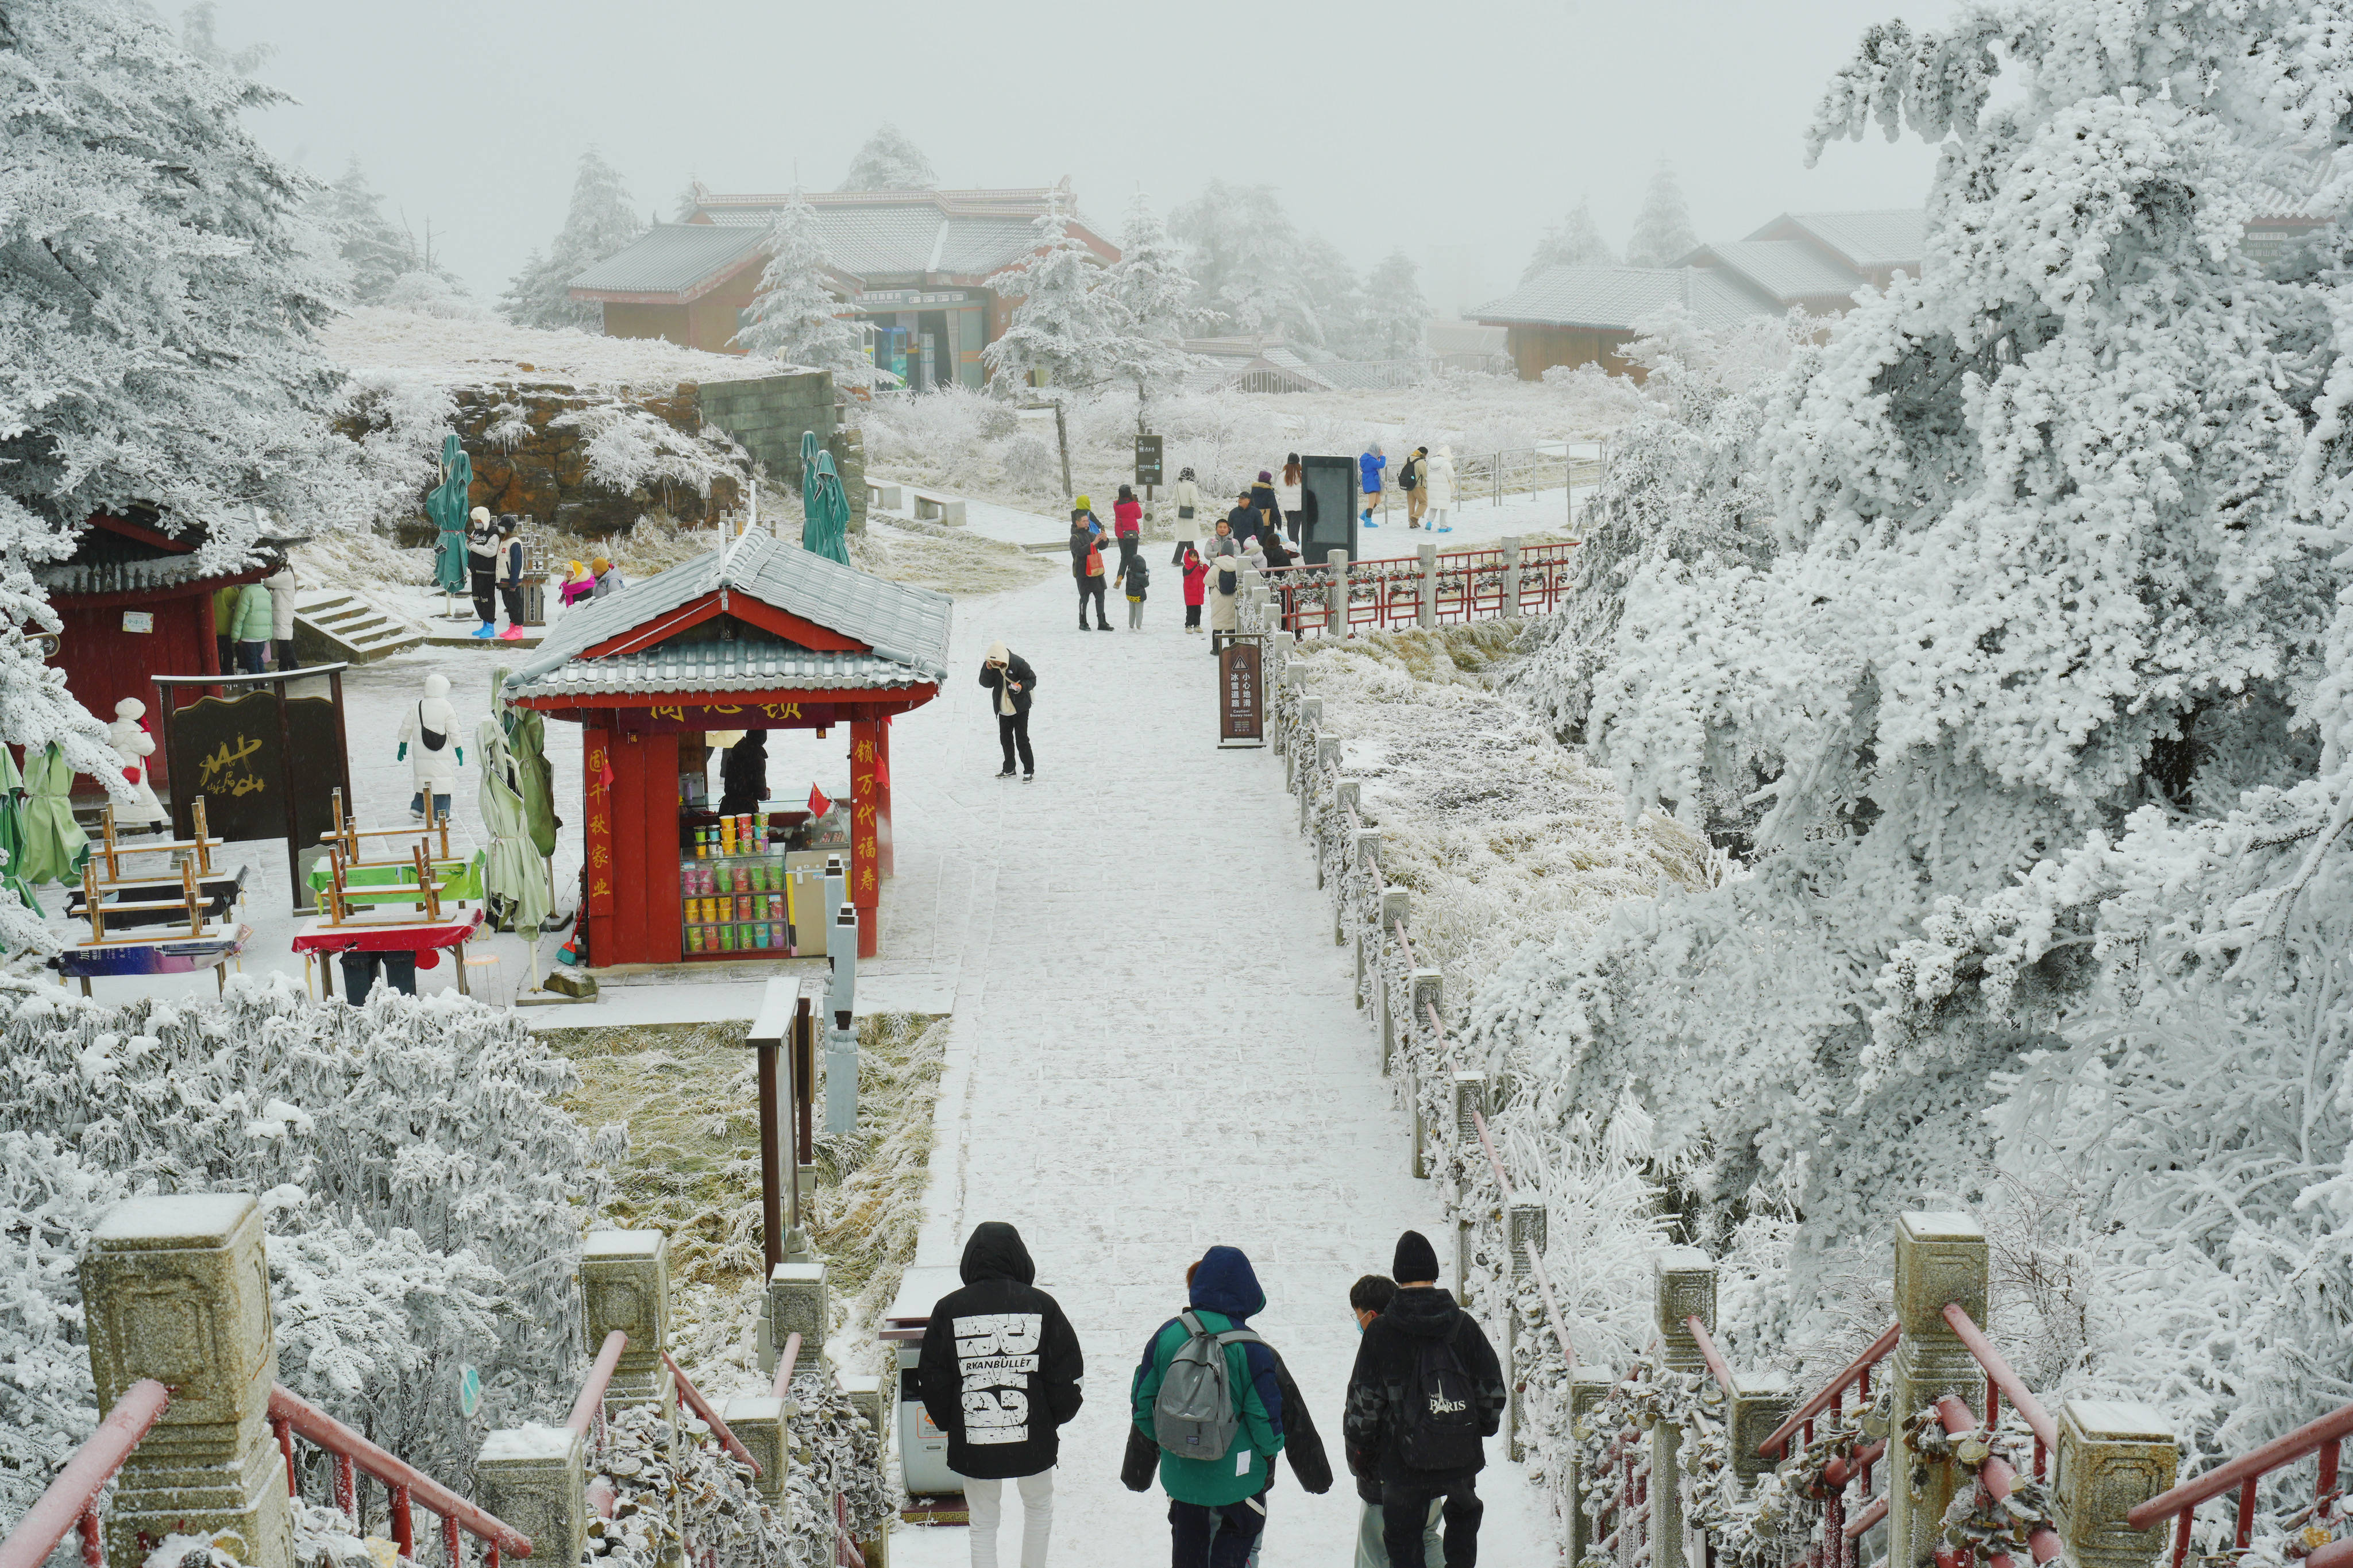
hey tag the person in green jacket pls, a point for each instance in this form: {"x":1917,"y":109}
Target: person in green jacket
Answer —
{"x":255,"y":616}
{"x":1215,"y":1509}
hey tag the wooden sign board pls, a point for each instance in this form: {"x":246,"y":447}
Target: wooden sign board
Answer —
{"x":231,"y":751}
{"x":1241,"y":693}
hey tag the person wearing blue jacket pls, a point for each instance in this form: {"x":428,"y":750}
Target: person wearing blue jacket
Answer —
{"x":1369,"y":466}
{"x":1215,"y":1507}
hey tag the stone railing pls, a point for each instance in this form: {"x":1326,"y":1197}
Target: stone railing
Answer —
{"x":807,"y":1450}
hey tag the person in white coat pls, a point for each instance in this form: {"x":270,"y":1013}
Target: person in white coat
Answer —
{"x":1185,"y":496}
{"x":281,"y":585}
{"x":1288,"y":491}
{"x":135,"y":745}
{"x":429,"y":743}
{"x":1438,"y":483}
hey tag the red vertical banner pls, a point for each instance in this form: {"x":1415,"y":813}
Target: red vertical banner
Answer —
{"x":596,"y":752}
{"x":865,"y":828}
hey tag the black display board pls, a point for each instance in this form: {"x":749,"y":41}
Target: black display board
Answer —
{"x":1327,"y":504}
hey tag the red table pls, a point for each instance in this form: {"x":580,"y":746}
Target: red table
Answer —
{"x":328,"y":939}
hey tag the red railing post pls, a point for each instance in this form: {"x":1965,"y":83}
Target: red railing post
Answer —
{"x":347,"y":1487}
{"x":404,"y":1524}
{"x":285,"y":1430}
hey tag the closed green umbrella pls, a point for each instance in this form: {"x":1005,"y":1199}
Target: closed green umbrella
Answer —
{"x":527,"y":734}
{"x":55,"y":844}
{"x":12,"y":832}
{"x":824,"y":509}
{"x":514,"y":871}
{"x":447,"y":506}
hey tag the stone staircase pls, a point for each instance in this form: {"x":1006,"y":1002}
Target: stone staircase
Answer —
{"x":337,"y":624}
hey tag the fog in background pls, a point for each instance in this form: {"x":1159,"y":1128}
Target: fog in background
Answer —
{"x":1457,"y":131}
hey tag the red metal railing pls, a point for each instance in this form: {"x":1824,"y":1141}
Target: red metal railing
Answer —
{"x":1834,"y":1546}
{"x":1385,"y":594}
{"x":71,"y":1500}
{"x":845,"y":1551}
{"x":782,"y":1387}
{"x":2325,"y":1438}
{"x":1997,"y":1477}
{"x":588,"y":1410}
{"x":291,"y":1417}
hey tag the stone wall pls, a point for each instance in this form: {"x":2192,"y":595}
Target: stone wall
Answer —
{"x":525,"y":462}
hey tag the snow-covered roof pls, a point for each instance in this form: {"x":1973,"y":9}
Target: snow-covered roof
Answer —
{"x":1233,"y":358}
{"x":682,"y":258}
{"x":1891,"y":237}
{"x":1612,"y":299}
{"x":905,"y":629}
{"x":1788,"y":269}
{"x":870,"y":236}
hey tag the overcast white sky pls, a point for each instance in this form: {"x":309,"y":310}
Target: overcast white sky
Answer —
{"x":1381,"y":124}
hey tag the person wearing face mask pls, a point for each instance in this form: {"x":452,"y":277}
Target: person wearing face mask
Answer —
{"x":1368,"y":1298}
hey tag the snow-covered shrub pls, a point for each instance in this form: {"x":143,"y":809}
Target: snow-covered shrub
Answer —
{"x":1028,"y":462}
{"x":431,"y":294}
{"x":396,"y":420}
{"x":426,"y":1196}
{"x":629,"y":449}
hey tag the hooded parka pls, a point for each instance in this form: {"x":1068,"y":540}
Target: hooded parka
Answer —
{"x":1385,"y":1375}
{"x":1225,"y":1291}
{"x":1000,"y":1366}
{"x":1438,"y":479}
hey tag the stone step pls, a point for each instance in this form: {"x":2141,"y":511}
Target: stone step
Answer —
{"x":337,"y":624}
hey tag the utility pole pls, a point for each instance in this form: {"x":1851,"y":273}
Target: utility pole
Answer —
{"x":1062,"y":438}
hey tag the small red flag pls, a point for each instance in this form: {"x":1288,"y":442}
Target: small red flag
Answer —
{"x":883,"y":771}
{"x":818,"y":804}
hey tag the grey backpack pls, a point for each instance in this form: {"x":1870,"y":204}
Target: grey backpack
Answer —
{"x":1195,"y":1416}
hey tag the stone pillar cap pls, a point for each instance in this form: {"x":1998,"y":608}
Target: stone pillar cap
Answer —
{"x":1771,"y":1380}
{"x":1589,"y":1374}
{"x":1681,"y":1260}
{"x":183,"y":1220}
{"x":530,"y":1441}
{"x":1941,"y":1225}
{"x":796,"y":1274}
{"x":861,"y":1383}
{"x":755,"y":1407}
{"x":624,"y":1243}
{"x":2116,"y":1419}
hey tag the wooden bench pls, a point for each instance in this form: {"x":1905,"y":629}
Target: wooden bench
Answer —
{"x":943,"y":510}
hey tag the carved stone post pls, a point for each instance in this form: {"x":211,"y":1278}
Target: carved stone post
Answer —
{"x":798,"y":1304}
{"x":1939,"y":1258}
{"x":532,"y":1478}
{"x":177,"y":1290}
{"x":1396,"y":905}
{"x":1684,"y":1286}
{"x":625,"y":1281}
{"x":1364,"y":855}
{"x":1424,"y":610}
{"x":1760,"y":1402}
{"x":1524,"y":1229}
{"x":1510,"y":608}
{"x":2113,"y":1457}
{"x":758,"y":1420}
{"x":1587,"y":1390}
{"x":1469,"y":1097}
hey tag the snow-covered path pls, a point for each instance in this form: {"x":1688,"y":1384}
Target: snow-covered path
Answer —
{"x":1155,"y":1045}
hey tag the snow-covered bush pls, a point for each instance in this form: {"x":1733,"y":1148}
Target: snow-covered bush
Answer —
{"x":628,"y":449}
{"x":396,"y":420}
{"x":426,"y":1197}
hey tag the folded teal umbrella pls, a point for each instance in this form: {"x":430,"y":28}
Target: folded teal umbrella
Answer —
{"x":513,"y":869}
{"x":447,"y":506}
{"x":12,"y":832}
{"x":55,"y":844}
{"x":824,"y":509}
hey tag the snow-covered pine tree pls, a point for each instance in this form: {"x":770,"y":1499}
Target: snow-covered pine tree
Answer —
{"x":1662,"y":230}
{"x":2022,"y":637}
{"x":1336,"y":300}
{"x":1395,"y":311}
{"x":890,"y":162}
{"x":599,"y":222}
{"x":796,"y":316}
{"x":1060,"y":326}
{"x":199,"y":35}
{"x":376,"y":251}
{"x":163,"y":288}
{"x":1241,"y":248}
{"x":1148,"y":301}
{"x":1575,"y":241}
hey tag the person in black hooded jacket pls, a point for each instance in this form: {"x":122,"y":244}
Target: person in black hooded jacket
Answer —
{"x":1403,"y":1360}
{"x":1000,"y":1375}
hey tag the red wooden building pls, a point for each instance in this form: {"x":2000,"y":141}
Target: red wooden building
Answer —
{"x":763,"y":636}
{"x":134,"y":602}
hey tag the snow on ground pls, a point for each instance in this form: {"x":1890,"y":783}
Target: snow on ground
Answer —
{"x":465,"y":352}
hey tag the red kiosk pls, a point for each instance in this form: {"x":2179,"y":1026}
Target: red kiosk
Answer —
{"x":762,"y":636}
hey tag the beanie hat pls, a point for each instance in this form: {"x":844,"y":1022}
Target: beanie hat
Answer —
{"x":1083,"y":503}
{"x":1415,"y":1258}
{"x":1264,"y":478}
{"x":600,"y":566}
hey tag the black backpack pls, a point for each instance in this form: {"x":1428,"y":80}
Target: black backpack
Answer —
{"x":1438,"y":1414}
{"x":1411,"y":478}
{"x":1227,"y":580}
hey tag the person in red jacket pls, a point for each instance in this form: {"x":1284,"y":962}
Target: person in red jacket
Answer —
{"x":1127,"y":514}
{"x":1197,"y":587}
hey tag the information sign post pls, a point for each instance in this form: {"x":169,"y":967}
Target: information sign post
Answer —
{"x":1241,"y":689}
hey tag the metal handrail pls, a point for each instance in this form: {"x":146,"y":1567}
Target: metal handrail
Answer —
{"x":600,"y":1377}
{"x":71,"y":1500}
{"x":845,"y":1551}
{"x":1803,"y":1416}
{"x":782,"y":1387}
{"x":292,"y":1415}
{"x":702,"y":1407}
{"x":2325,"y":1437}
{"x":2001,"y":1380}
{"x":1997,"y":1477}
{"x":1709,"y":1354}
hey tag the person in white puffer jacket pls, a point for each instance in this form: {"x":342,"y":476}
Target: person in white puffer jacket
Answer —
{"x":428,"y":742}
{"x":1437,"y":480}
{"x":135,"y":745}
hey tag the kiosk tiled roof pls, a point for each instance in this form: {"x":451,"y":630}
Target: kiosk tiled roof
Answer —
{"x":1786,"y":269}
{"x":906,"y":628}
{"x":1611,"y":299}
{"x":672,"y":258}
{"x":1893,"y":236}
